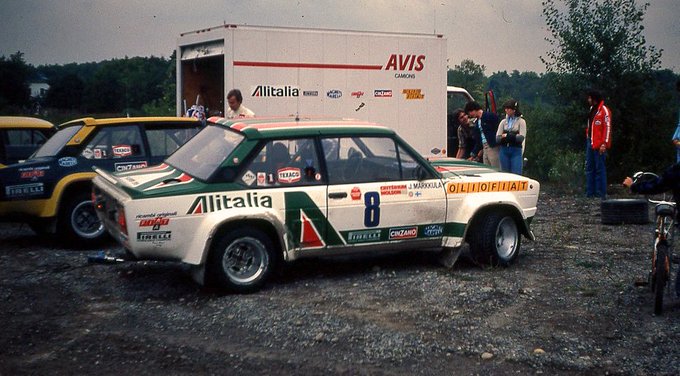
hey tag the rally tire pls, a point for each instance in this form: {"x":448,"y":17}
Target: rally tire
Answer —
{"x":624,"y":211}
{"x":660,"y":277}
{"x":241,"y":260}
{"x":495,"y":240}
{"x":78,"y":223}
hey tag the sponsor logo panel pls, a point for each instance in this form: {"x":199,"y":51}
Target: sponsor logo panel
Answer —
{"x":275,"y":91}
{"x":155,"y":223}
{"x":395,"y":189}
{"x":403,"y":233}
{"x":405,"y":62}
{"x":67,"y":162}
{"x":334,"y":94}
{"x":382,"y":93}
{"x":154,"y":236}
{"x":357,"y":94}
{"x":154,"y":215}
{"x":249,"y":177}
{"x":433,"y":230}
{"x":288,"y":175}
{"x":128,"y":166}
{"x":413,"y":93}
{"x":121,"y":150}
{"x":24,"y":190}
{"x":487,"y":186}
{"x":363,"y":236}
{"x":355,"y":193}
{"x":216,"y":202}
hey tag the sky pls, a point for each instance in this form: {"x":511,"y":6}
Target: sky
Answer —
{"x":502,"y":35}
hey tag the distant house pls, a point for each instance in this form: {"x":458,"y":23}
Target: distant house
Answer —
{"x":39,"y":86}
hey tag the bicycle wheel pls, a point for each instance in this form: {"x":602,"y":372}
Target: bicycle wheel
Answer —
{"x":660,"y":276}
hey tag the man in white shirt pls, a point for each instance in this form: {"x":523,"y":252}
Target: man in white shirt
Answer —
{"x":236,"y":109}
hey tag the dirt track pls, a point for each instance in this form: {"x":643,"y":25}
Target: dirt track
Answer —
{"x":568,"y":306}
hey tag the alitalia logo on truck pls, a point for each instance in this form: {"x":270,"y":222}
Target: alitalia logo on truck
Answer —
{"x":216,"y":202}
{"x":275,"y":91}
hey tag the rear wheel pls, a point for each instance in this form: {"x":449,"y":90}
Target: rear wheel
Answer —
{"x":242,"y":260}
{"x":495,"y":240}
{"x":78,"y":221}
{"x":660,"y":276}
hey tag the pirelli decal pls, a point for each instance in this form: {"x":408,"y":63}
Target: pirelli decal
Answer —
{"x":486,"y":186}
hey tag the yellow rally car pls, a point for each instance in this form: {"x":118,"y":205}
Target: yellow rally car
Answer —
{"x":21,"y":136}
{"x":51,"y":191}
{"x":245,"y":194}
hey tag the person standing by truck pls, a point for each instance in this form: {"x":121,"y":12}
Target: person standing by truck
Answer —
{"x":487,"y":122}
{"x":236,"y":108}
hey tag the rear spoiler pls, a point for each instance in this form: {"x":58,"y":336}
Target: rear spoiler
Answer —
{"x":106,"y":175}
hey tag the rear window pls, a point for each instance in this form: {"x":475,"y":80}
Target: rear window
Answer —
{"x":205,"y":152}
{"x":55,"y":143}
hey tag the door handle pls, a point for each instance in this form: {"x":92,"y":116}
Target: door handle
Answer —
{"x":337,"y":195}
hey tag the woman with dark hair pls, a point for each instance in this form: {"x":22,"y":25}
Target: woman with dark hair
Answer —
{"x":469,"y":138}
{"x":510,"y":136}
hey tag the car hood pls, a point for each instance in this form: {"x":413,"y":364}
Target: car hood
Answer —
{"x":452,"y":167}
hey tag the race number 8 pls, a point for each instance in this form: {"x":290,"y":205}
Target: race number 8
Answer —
{"x":372,"y":211}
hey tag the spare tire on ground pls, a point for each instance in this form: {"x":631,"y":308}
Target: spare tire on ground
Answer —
{"x":624,"y":211}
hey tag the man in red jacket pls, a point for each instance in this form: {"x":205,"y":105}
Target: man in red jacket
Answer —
{"x":598,"y":141}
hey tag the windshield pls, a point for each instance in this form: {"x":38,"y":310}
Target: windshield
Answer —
{"x":54,"y":144}
{"x":206,"y":151}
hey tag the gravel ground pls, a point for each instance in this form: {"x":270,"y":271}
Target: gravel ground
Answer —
{"x":569,"y":306}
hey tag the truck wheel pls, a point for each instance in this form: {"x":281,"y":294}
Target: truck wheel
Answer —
{"x":78,"y":221}
{"x":242,"y":260}
{"x":495,"y":240}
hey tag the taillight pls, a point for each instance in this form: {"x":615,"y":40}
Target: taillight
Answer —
{"x":121,"y":220}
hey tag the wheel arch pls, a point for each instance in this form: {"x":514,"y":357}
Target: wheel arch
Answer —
{"x":262,"y":224}
{"x":505,"y":208}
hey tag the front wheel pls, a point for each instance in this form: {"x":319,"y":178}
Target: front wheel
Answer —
{"x":495,"y":240}
{"x":242,"y":260}
{"x":660,"y":278}
{"x":78,"y":221}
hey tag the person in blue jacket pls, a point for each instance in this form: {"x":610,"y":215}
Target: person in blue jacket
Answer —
{"x":487,"y":122}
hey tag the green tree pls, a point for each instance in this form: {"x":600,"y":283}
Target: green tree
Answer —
{"x":600,"y":44}
{"x":65,"y":92}
{"x":599,"y":40}
{"x":15,"y":92}
{"x":470,"y":76}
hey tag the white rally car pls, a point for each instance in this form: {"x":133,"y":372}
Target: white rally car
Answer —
{"x":244,"y":195}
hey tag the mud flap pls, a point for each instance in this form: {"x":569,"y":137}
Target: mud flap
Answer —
{"x":449,"y":255}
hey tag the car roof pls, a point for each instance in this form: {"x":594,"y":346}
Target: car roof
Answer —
{"x":149,"y":120}
{"x":300,"y":127}
{"x":24,"y":122}
{"x":90,"y":124}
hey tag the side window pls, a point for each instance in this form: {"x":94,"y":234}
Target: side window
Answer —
{"x":284,"y":163}
{"x":21,"y":143}
{"x":164,"y":141}
{"x":361,"y":159}
{"x":409,"y":166}
{"x":115,"y":142}
{"x":25,"y":137}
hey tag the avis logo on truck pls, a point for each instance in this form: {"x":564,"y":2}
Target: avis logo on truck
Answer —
{"x":405,"y":63}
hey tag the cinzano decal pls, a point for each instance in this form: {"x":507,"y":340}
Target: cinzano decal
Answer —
{"x":130,"y":166}
{"x":487,"y":186}
{"x":403,"y":233}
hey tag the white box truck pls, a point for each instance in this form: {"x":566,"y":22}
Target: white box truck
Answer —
{"x":396,"y":79}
